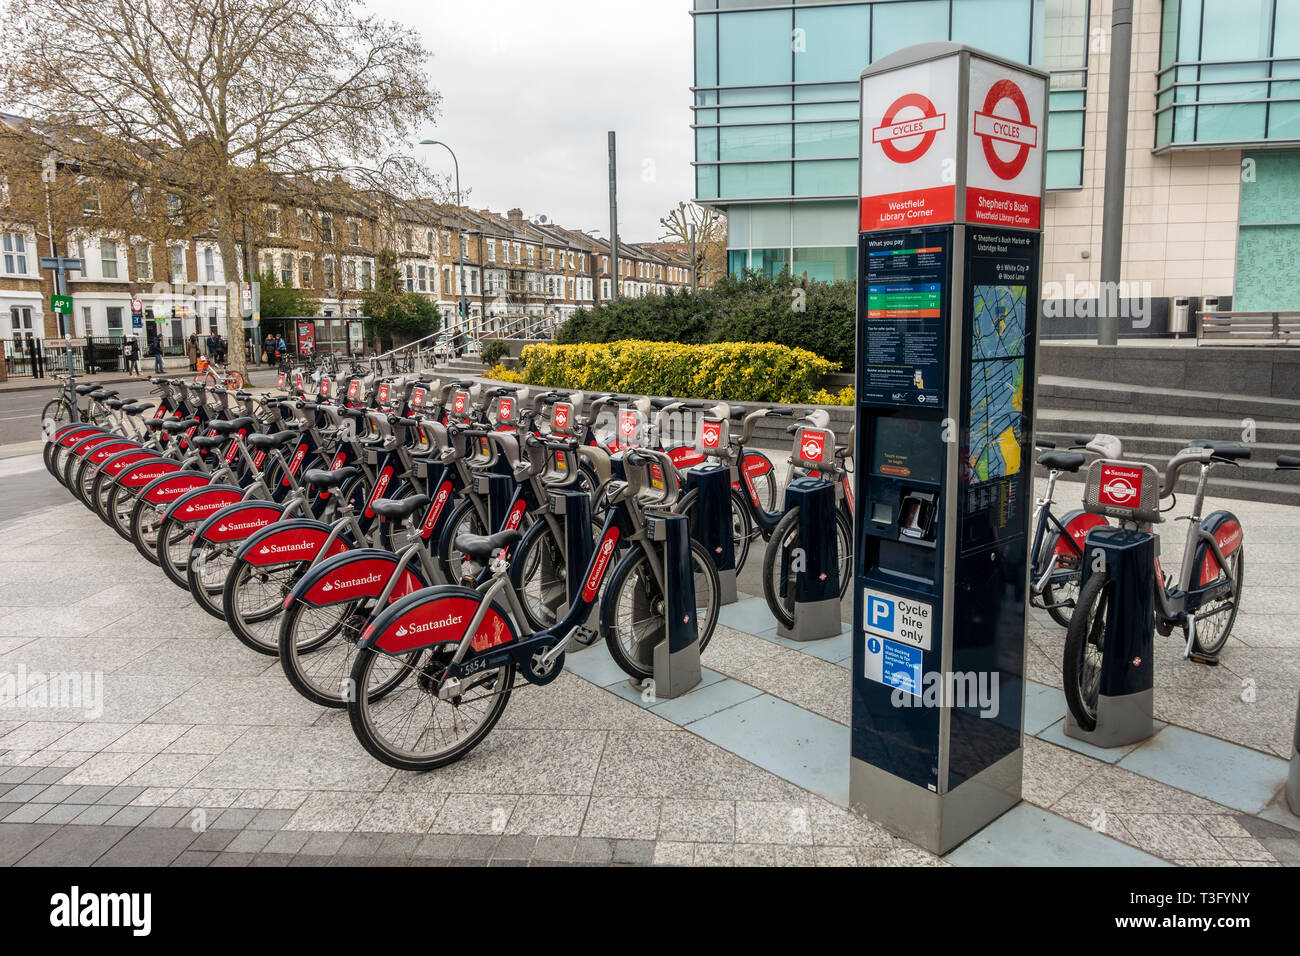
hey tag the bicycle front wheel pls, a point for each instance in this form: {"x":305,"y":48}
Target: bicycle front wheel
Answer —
{"x":409,"y":727}
{"x":780,"y":573}
{"x":1214,"y":621}
{"x":636,"y":620}
{"x":58,"y":411}
{"x":1085,"y":641}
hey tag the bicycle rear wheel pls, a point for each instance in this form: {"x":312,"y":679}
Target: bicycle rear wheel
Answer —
{"x":1214,"y":621}
{"x":742,"y":526}
{"x":1085,"y":640}
{"x":779,"y":571}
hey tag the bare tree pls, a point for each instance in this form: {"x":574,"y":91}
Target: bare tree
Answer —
{"x":710,"y":238}
{"x":223,"y":104}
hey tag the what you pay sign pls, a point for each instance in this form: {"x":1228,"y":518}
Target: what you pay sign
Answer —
{"x":913,"y":130}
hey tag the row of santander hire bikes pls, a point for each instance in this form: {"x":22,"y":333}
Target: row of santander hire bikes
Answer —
{"x":397,"y":542}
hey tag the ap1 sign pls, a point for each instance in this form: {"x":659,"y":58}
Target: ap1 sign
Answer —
{"x":1006,"y":129}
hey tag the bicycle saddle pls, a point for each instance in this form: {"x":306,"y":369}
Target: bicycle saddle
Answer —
{"x":482,"y":547}
{"x":274,"y":440}
{"x":222,"y":427}
{"x":174,"y":427}
{"x":330,"y":479}
{"x":395,"y":509}
{"x":139,"y":408}
{"x":207,"y":442}
{"x":1070,"y":461}
{"x":87,"y":389}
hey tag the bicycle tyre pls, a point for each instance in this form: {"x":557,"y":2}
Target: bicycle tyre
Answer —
{"x":1237,"y":570}
{"x":58,"y":410}
{"x":629,"y":574}
{"x":541,"y":548}
{"x":1081,"y":668}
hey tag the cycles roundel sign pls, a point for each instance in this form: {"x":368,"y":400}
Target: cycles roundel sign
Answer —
{"x":1017,"y":131}
{"x":905,"y":140}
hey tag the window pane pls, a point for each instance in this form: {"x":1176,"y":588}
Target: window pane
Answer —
{"x":827,"y":178}
{"x":1230,"y":123}
{"x":769,"y":224}
{"x":896,"y":25}
{"x":706,"y":145}
{"x":769,"y":261}
{"x":737,"y":260}
{"x":825,"y":265}
{"x":754,"y":47}
{"x":808,"y":111}
{"x":826,"y":139}
{"x":832,"y":44}
{"x":825,"y":223}
{"x":1235,"y":29}
{"x":706,"y":182}
{"x":755,"y":180}
{"x":706,"y":51}
{"x":999,"y":26}
{"x":1065,"y":170}
{"x":754,"y":142}
{"x":1065,"y":34}
{"x":1064,"y":129}
{"x":754,"y":114}
{"x":1286,"y":29}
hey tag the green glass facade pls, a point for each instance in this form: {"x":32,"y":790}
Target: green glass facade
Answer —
{"x":1268,"y":232}
{"x":1229,"y":73}
{"x":776,"y":109}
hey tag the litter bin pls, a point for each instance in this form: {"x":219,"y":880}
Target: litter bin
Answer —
{"x":1181,"y":318}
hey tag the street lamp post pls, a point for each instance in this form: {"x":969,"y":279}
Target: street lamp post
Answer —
{"x":460,"y":235}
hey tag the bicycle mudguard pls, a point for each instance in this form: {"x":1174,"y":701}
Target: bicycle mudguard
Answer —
{"x":237,"y":521}
{"x":170,"y":488}
{"x":69,"y":435}
{"x":755,"y":463}
{"x":600,"y":566}
{"x":101,"y":453}
{"x":134,"y":477}
{"x":437,"y":615}
{"x":200,"y":503}
{"x":114,"y":464}
{"x":89,"y":442}
{"x":288,"y":542}
{"x":362,"y":573}
{"x":684,"y":456}
{"x":1078,"y":524}
{"x":1228,"y":534}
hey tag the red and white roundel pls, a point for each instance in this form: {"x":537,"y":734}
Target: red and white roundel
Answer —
{"x":325,"y":388}
{"x":560,"y":415}
{"x":1120,"y":487}
{"x":1013,"y":127}
{"x":505,"y":409}
{"x":417,"y":398}
{"x":812,"y":445}
{"x":354,"y":387}
{"x":710,"y":434}
{"x":627,"y":422}
{"x":383,"y":392}
{"x":907,"y":139}
{"x":458,"y":403}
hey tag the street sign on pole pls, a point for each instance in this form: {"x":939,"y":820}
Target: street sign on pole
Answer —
{"x":66,"y":263}
{"x":61,"y":303}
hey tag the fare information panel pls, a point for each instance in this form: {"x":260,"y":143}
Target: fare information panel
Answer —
{"x":1002,"y":286}
{"x":905,"y":294}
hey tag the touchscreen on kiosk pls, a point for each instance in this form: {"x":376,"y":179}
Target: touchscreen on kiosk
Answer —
{"x":909,"y":449}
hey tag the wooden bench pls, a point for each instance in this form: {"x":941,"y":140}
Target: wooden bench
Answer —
{"x":1268,"y":328}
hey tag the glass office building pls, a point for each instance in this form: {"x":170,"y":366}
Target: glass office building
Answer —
{"x":776,"y":109}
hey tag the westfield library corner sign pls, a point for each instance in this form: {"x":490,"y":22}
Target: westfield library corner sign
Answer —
{"x":958,"y":137}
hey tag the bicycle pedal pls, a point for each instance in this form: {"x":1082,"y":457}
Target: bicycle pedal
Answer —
{"x":1206,"y":659}
{"x":585,"y":637}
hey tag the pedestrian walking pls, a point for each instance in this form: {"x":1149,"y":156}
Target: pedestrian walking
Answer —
{"x":222,"y":348}
{"x":192,"y":351}
{"x":268,"y":349}
{"x":280,"y":349}
{"x":133,"y":356}
{"x":157,"y":355}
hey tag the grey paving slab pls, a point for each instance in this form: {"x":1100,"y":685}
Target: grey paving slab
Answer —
{"x":643,"y":695}
{"x":705,"y":700}
{"x":1224,"y":772}
{"x":1044,"y":706}
{"x":1029,"y":836}
{"x":19,"y":839}
{"x":75,"y":846}
{"x":1056,"y":734}
{"x":788,"y":741}
{"x":147,"y":846}
{"x":596,"y":666}
{"x":62,"y":813}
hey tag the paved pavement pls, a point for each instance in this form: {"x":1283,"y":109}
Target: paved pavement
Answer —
{"x":185,"y":748}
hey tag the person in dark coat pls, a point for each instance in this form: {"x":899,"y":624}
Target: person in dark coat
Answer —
{"x":133,"y":356}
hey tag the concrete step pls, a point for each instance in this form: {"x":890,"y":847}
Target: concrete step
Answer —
{"x":1056,"y":391}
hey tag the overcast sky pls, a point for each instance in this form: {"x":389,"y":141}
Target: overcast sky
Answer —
{"x":530,"y":89}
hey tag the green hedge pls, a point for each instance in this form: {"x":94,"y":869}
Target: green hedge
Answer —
{"x":733,"y":371}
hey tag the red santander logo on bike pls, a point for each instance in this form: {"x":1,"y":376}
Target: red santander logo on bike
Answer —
{"x":710,"y":434}
{"x":1120,"y":487}
{"x":812,"y":445}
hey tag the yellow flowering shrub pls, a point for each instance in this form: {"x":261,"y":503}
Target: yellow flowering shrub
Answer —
{"x":734,"y":371}
{"x":503,"y":374}
{"x":844,"y":396}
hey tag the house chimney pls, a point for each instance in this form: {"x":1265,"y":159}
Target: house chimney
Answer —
{"x":516,"y":217}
